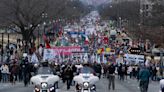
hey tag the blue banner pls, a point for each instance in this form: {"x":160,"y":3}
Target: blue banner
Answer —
{"x":77,"y":33}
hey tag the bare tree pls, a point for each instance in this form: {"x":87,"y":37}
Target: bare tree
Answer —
{"x":128,"y":10}
{"x":156,"y":20}
{"x":27,"y":14}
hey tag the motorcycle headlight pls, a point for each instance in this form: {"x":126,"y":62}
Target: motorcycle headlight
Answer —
{"x":51,"y":89}
{"x":37,"y":89}
{"x":86,"y":84}
{"x":44,"y":85}
{"x":93,"y":88}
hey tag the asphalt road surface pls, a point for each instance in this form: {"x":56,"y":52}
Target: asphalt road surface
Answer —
{"x":130,"y":85}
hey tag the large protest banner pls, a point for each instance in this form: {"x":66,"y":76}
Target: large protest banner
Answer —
{"x":60,"y":51}
{"x":66,"y":50}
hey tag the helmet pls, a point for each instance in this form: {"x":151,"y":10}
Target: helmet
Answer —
{"x":35,"y":65}
{"x":24,"y":55}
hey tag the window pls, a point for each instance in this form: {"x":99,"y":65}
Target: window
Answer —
{"x":146,"y":13}
{"x":146,"y":6}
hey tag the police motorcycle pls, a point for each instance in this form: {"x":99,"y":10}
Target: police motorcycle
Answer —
{"x":45,"y":80}
{"x":86,"y":80}
{"x":161,"y":83}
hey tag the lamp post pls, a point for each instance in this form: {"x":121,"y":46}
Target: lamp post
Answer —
{"x":44,"y":16}
{"x":38,"y":34}
{"x":120,"y":20}
{"x":44,"y":31}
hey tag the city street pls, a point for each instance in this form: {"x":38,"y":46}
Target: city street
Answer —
{"x":102,"y":86}
{"x":51,"y":41}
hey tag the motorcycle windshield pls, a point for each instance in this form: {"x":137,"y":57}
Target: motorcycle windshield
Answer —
{"x":87,"y":70}
{"x":45,"y":70}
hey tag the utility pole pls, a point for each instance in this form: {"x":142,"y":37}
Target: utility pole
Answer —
{"x":2,"y":48}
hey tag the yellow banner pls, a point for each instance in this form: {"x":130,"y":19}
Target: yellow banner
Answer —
{"x":108,"y":49}
{"x":98,"y":51}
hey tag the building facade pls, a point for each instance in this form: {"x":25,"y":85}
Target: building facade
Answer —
{"x":146,"y":7}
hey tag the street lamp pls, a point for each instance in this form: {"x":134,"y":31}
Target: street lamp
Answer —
{"x":111,"y":6}
{"x":120,"y":19}
{"x":38,"y":35}
{"x":44,"y":31}
{"x":44,"y":16}
{"x":44,"y":24}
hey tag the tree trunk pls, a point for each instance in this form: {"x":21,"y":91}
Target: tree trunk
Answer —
{"x":26,"y":38}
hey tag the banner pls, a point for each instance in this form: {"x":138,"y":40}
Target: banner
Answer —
{"x":49,"y":54}
{"x":120,"y":60}
{"x":66,"y":50}
{"x":34,"y":58}
{"x":134,"y":59}
{"x":75,"y":34}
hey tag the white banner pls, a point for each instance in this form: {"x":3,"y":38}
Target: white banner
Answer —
{"x":120,"y":60}
{"x":49,"y":54}
{"x":34,"y":59}
{"x":134,"y":59}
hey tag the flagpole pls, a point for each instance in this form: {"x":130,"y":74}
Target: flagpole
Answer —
{"x":93,"y":56}
{"x":103,"y":58}
{"x":59,"y":58}
{"x":96,"y":57}
{"x":63,"y":56}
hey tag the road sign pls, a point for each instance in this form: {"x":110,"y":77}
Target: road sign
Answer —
{"x":134,"y":50}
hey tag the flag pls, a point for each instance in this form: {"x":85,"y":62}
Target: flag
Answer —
{"x":60,"y":31}
{"x":108,"y":49}
{"x":102,"y":50}
{"x":46,"y":42}
{"x":58,"y":43}
{"x":48,"y":45}
{"x":98,"y":51}
{"x":105,"y":40}
{"x":86,"y":40}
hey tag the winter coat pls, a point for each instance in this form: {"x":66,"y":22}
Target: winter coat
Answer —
{"x":144,"y":75}
{"x":4,"y":69}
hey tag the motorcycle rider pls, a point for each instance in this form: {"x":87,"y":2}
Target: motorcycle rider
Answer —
{"x":97,"y":69}
{"x":86,"y":69}
{"x":25,"y":70}
{"x":68,"y":76}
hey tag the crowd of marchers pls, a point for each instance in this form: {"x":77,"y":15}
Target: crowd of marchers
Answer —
{"x":23,"y":71}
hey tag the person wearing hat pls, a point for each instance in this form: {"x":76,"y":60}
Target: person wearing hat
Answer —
{"x":68,"y":72}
